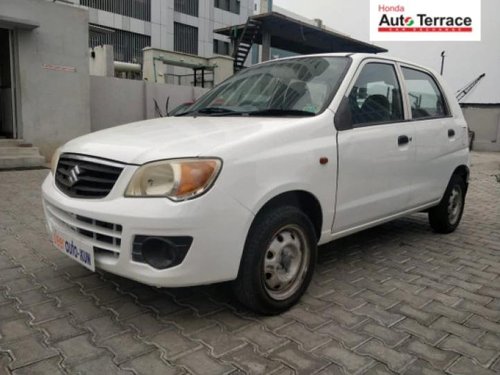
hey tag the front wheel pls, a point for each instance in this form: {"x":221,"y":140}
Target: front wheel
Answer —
{"x":445,"y":217}
{"x":278,"y":261}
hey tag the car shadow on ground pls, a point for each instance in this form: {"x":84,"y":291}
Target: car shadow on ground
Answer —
{"x":377,"y":237}
{"x":336,"y":256}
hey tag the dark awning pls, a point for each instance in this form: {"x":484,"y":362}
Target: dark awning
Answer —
{"x":297,"y":36}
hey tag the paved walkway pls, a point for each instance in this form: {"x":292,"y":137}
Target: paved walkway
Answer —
{"x":396,"y":298}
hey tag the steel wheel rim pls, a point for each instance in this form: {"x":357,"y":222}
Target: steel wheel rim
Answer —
{"x":455,"y":205}
{"x":286,"y":261}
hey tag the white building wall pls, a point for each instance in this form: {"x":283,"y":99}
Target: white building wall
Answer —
{"x":115,"y":101}
{"x":484,"y":121}
{"x":52,"y":67}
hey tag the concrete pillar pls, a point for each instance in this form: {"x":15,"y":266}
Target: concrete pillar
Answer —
{"x":148,"y":70}
{"x":266,"y":45}
{"x":224,"y":68}
{"x":101,"y":61}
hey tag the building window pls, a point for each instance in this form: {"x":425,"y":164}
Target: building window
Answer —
{"x":187,"y":7}
{"x":232,"y":6}
{"x":185,"y":38}
{"x":127,"y":46}
{"x":140,"y":9}
{"x":221,"y":47}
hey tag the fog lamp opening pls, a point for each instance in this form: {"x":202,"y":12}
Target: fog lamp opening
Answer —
{"x":158,"y":252}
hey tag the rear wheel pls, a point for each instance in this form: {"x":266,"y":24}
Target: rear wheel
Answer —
{"x":278,"y":261}
{"x":445,"y":217}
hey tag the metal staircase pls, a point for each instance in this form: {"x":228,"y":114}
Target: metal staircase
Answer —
{"x":244,"y":43}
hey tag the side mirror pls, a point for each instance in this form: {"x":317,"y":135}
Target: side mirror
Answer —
{"x":343,"y":116}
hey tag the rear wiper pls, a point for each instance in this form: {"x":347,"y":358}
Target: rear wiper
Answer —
{"x":280,"y":112}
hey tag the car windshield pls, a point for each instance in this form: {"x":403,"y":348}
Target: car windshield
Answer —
{"x":294,"y":87}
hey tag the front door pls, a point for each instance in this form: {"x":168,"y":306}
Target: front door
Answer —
{"x":377,"y":155}
{"x":7,"y":98}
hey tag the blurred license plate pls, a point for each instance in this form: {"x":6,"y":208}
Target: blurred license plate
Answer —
{"x":77,"y":250}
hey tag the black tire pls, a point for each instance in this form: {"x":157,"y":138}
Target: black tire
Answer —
{"x":252,"y":287}
{"x":443,"y":218}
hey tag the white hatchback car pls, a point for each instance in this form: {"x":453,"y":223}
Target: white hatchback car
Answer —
{"x":277,"y":159}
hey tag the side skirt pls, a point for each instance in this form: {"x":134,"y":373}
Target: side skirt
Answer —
{"x":328,"y":236}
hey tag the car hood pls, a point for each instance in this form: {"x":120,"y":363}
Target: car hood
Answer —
{"x":173,"y":137}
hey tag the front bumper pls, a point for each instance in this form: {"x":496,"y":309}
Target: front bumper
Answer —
{"x":217,"y":223}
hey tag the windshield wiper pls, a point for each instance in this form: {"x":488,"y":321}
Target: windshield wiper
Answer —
{"x":209,"y":111}
{"x":280,"y":112}
{"x":221,"y":111}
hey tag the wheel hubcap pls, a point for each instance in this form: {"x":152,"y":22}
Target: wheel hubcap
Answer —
{"x":455,"y":205}
{"x":285,"y":262}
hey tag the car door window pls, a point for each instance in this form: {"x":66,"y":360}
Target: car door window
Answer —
{"x":426,"y":99}
{"x":376,"y":96}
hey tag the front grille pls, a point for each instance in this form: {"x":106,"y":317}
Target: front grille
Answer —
{"x":104,"y":236}
{"x":86,"y":177}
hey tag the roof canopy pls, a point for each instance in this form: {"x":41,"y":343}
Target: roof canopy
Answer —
{"x":17,"y":23}
{"x":296,"y":36}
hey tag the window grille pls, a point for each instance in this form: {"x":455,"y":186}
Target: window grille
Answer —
{"x":221,"y":47}
{"x":140,"y":9}
{"x":185,"y":38}
{"x":232,"y":6}
{"x":190,"y":7}
{"x":127,"y":46}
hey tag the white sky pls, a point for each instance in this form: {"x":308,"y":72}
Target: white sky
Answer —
{"x":464,"y":61}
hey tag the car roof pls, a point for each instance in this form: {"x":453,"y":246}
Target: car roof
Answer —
{"x":357,"y":57}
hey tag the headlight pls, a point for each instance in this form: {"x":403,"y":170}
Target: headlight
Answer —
{"x":177,"y":180}
{"x":55,"y":160}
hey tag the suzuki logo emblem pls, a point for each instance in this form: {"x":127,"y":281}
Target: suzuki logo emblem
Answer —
{"x":73,"y":175}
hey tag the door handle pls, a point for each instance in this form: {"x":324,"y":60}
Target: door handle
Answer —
{"x":451,"y":133}
{"x":403,"y":140}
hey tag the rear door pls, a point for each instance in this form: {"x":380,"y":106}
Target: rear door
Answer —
{"x":437,"y":135}
{"x":377,"y":152}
